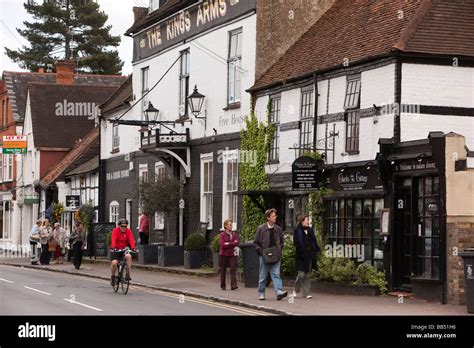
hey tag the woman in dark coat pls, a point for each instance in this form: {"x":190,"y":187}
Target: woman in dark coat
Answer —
{"x":306,"y":252}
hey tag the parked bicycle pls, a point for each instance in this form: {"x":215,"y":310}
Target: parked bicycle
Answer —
{"x":121,"y":279}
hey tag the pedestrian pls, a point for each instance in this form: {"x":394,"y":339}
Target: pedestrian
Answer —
{"x":34,"y":240}
{"x":46,"y":234}
{"x":78,"y":237}
{"x":60,"y":236}
{"x":269,"y":242}
{"x":229,"y":240}
{"x":307,"y":248}
{"x":144,"y":229}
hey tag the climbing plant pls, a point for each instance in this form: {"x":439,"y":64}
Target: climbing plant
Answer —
{"x":256,"y":137}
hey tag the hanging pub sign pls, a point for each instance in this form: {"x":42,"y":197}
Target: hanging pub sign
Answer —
{"x":72,"y":201}
{"x":306,"y":172}
{"x":14,"y":144}
{"x":188,"y":22}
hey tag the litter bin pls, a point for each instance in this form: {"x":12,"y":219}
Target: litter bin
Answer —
{"x":251,"y":264}
{"x":468,"y":258}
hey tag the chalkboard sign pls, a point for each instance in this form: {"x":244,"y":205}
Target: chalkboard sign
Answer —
{"x":306,"y":173}
{"x":99,"y":237}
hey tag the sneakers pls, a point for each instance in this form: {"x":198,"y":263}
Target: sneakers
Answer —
{"x":282,"y":295}
{"x":112,"y":280}
{"x":309,"y":296}
{"x":261,"y":297}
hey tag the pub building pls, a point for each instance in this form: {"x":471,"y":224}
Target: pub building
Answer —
{"x":397,"y":148}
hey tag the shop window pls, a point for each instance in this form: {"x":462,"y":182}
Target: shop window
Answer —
{"x":356,"y":222}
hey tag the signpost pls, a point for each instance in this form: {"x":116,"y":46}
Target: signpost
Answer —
{"x":14,"y":144}
{"x":305,"y":172}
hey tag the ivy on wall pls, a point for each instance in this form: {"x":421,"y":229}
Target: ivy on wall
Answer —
{"x":255,"y":137}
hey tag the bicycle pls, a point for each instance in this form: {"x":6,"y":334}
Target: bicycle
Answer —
{"x":120,"y":278}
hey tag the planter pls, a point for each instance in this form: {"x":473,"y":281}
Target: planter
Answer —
{"x":215,"y":261}
{"x":251,"y":264}
{"x":344,"y":288}
{"x":194,"y":259}
{"x":170,"y":255}
{"x":148,"y":254}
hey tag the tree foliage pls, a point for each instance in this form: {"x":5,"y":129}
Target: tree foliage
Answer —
{"x":75,"y":31}
{"x":160,"y":196}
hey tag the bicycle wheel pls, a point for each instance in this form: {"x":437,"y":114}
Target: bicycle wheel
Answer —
{"x":125,"y":283}
{"x":118,"y":278}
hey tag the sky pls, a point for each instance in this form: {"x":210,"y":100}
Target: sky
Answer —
{"x":12,"y":16}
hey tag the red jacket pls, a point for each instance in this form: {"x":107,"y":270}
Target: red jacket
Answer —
{"x":122,"y":240}
{"x":144,"y":224}
{"x":228,"y":250}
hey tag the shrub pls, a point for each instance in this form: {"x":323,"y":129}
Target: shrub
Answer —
{"x":288,"y":266}
{"x":215,"y":246}
{"x":195,"y":242}
{"x":366,"y":274}
{"x":336,"y":270}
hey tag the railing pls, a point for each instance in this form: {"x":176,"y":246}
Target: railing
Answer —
{"x":154,"y":139}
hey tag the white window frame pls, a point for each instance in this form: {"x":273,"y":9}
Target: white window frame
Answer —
{"x":154,"y":5}
{"x":234,"y":68}
{"x":7,"y":168}
{"x":159,"y":221}
{"x":114,"y":211}
{"x":230,"y":156}
{"x":160,"y":170}
{"x":145,"y":78}
{"x":115,"y":136}
{"x":143,"y":171}
{"x":204,"y":207}
{"x":184,"y":72}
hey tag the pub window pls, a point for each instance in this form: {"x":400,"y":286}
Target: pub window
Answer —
{"x":273,"y":153}
{"x":306,"y":129}
{"x":184,"y":83}
{"x":145,"y":88}
{"x":234,"y":66}
{"x":356,"y":222}
{"x":114,"y":212}
{"x":159,"y":170}
{"x":351,"y":107}
{"x":230,"y":186}
{"x":206,"y":189}
{"x":115,"y":136}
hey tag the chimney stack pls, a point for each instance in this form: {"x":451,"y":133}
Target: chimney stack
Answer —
{"x":65,"y":72}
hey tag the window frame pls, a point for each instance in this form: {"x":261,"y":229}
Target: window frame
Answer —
{"x":229,"y":196}
{"x":234,"y":68}
{"x":274,"y":119}
{"x":184,"y":79}
{"x":306,"y":120}
{"x":114,"y":211}
{"x":115,"y":136}
{"x":207,"y":196}
{"x":352,"y":113}
{"x":145,"y":74}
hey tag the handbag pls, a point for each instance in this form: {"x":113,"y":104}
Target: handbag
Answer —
{"x":52,"y":245}
{"x":270,"y":255}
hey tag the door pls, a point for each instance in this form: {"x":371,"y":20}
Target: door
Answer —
{"x":404,"y":235}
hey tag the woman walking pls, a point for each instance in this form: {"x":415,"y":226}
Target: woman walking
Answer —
{"x":306,"y":252}
{"x":78,"y":236}
{"x":46,"y":234}
{"x":59,"y":235}
{"x":229,"y":240}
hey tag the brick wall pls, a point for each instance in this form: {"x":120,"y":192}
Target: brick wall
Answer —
{"x":280,"y":24}
{"x":460,"y":236}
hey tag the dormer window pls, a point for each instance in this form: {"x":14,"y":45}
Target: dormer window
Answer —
{"x":156,"y":4}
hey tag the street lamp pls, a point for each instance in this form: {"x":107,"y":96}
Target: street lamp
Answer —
{"x":151,"y":113}
{"x":195,"y":102}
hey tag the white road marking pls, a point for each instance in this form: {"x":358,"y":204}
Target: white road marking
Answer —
{"x":7,"y":281}
{"x":83,"y":305}
{"x":41,"y":292}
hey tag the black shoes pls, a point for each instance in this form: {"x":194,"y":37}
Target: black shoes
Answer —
{"x":281,"y":295}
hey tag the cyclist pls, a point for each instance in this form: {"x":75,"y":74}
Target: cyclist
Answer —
{"x":122,"y":237}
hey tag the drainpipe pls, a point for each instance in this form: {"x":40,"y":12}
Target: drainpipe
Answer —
{"x":315,"y":121}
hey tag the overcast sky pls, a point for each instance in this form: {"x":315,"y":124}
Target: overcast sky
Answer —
{"x":12,"y":16}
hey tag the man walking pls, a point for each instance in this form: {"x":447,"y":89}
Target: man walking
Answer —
{"x":269,"y":242}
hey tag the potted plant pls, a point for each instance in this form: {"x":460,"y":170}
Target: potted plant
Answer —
{"x":215,"y":251}
{"x":194,"y":251}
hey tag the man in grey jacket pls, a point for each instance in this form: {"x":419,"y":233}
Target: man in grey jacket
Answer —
{"x":270,"y":235}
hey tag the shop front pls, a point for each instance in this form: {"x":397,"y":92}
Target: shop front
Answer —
{"x":413,"y":174}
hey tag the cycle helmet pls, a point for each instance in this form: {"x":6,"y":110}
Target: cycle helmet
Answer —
{"x":122,"y":222}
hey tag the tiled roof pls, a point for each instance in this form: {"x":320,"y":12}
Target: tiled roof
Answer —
{"x":168,"y":8}
{"x":353,"y":30}
{"x":85,"y":149}
{"x":17,"y":86}
{"x":86,"y":167}
{"x":120,"y":97}
{"x":55,"y":130}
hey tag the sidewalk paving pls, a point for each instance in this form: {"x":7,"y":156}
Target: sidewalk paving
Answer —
{"x":208,"y":287}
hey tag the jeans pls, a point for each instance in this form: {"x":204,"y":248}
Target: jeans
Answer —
{"x":274,"y":269}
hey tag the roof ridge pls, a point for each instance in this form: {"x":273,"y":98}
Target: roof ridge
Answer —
{"x":79,"y":148}
{"x":410,"y":29}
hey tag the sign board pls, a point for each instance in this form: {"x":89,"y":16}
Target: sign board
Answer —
{"x":72,"y":201}
{"x":14,"y":144}
{"x":359,"y":178}
{"x":99,"y":237}
{"x":306,"y":173}
{"x":415,"y":165}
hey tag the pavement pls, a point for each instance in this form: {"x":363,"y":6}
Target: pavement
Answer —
{"x":203,"y":286}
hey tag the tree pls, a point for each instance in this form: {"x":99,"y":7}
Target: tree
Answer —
{"x":70,"y":29}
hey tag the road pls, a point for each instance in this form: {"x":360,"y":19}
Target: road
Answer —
{"x":35,"y":292}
